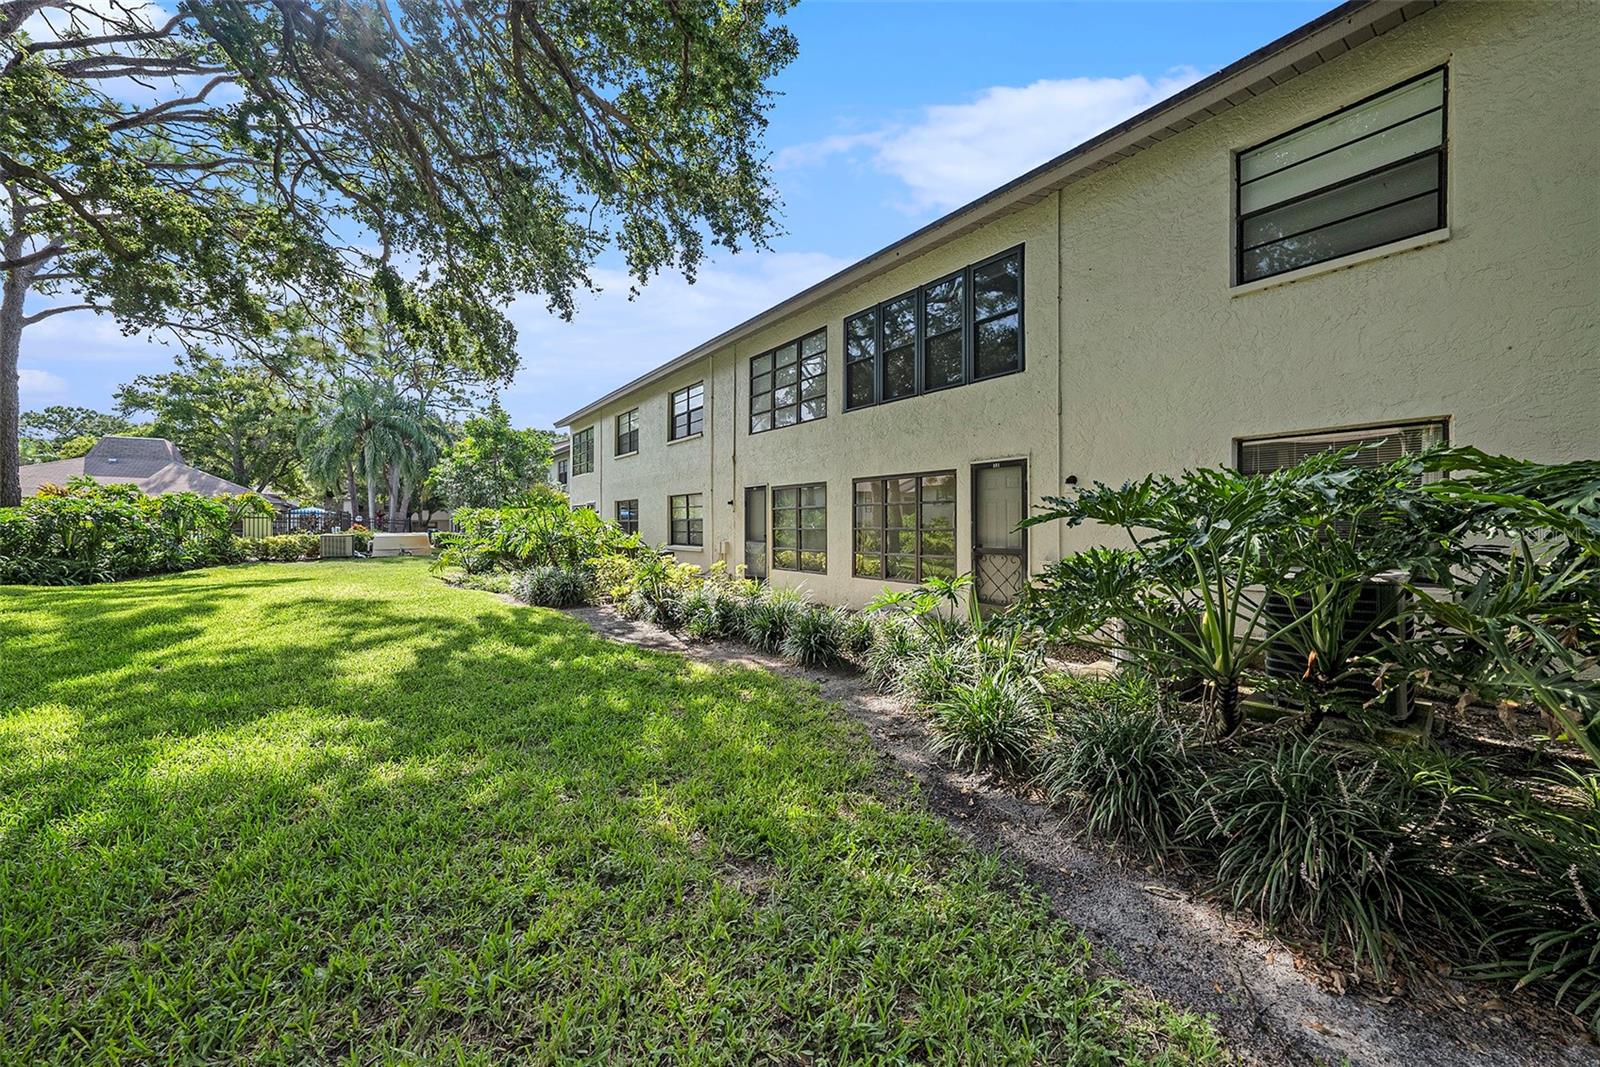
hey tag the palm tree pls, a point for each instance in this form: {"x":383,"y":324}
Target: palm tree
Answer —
{"x":372,"y":426}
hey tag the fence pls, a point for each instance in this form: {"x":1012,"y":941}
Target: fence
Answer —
{"x":320,"y":522}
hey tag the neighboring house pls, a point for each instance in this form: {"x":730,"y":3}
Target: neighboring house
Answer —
{"x":154,"y":464}
{"x":1383,"y":226}
{"x":560,"y":472}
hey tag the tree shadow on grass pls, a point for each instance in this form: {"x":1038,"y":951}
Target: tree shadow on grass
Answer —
{"x":420,"y":818}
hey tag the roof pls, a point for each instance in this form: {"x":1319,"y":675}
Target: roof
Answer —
{"x":1309,"y":46}
{"x":154,"y":464}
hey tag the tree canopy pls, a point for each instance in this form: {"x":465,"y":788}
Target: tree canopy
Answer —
{"x":195,"y":170}
{"x":492,"y":464}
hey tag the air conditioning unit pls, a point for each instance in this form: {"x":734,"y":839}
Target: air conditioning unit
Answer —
{"x":1376,"y":601}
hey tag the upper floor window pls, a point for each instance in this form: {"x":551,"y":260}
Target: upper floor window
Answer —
{"x":961,"y":328}
{"x":628,"y":432}
{"x":561,"y":471}
{"x":628,"y":516}
{"x":790,"y":383}
{"x":583,"y":451}
{"x":688,"y":411}
{"x":687,"y":512}
{"x":1364,"y":176}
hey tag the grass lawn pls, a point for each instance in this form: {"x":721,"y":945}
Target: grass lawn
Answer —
{"x":341,"y":812}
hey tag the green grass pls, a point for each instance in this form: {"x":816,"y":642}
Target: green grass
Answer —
{"x":341,"y":812}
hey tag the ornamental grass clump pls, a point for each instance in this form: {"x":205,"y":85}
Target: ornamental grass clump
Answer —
{"x":815,"y":636}
{"x":894,"y":641}
{"x":1334,"y":847}
{"x":1534,"y":877}
{"x":996,"y":721}
{"x":1118,"y":763}
{"x":768,"y":615}
{"x":552,"y":587}
{"x":711,"y":611}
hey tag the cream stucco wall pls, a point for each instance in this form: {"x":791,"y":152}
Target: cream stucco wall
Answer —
{"x":1140,"y":354}
{"x":1494,"y":328}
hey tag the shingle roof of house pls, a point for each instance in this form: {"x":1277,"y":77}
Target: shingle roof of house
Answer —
{"x":154,"y":464}
{"x":1323,"y":38}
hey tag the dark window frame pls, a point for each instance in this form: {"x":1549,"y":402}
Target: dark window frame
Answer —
{"x":562,"y":467}
{"x":798,"y":528}
{"x":630,"y":523}
{"x":583,"y":450}
{"x":690,"y":507}
{"x":1240,"y":218}
{"x":691,"y":428}
{"x":969,"y":333}
{"x":883,"y":552}
{"x":632,"y":433}
{"x":799,"y":383}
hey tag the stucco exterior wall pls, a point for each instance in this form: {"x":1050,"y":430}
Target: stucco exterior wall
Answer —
{"x":1140,"y":353}
{"x":1493,"y":328}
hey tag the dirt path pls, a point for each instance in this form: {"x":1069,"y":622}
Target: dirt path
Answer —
{"x":1160,"y":938}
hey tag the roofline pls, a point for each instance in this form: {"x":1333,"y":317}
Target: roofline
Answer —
{"x":1300,"y":50}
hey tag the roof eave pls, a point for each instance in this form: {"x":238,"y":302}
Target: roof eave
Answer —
{"x":1301,"y":49}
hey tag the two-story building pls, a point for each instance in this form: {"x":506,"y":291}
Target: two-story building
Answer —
{"x":1384,"y":226}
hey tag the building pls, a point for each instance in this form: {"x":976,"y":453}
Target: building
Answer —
{"x":154,"y":464}
{"x":1383,"y":226}
{"x":559,"y":472}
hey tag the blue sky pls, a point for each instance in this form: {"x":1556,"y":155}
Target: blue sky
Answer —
{"x":892,"y":114}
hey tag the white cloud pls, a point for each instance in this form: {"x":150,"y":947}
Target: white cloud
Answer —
{"x":612,"y":339}
{"x":40,"y":387}
{"x":955,"y":152}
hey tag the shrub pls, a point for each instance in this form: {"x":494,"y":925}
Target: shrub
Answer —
{"x":934,"y":669}
{"x":1306,"y":842}
{"x":1534,"y":878}
{"x":282,"y":548}
{"x":711,"y":611}
{"x":1117,"y":763}
{"x":858,"y":633}
{"x":814,"y":636}
{"x":546,"y":532}
{"x":895,"y":640}
{"x":552,"y":587}
{"x":87,"y":532}
{"x":659,"y":587}
{"x":767,"y":617}
{"x":996,"y":721}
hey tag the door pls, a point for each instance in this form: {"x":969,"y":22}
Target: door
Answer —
{"x":999,"y":549}
{"x":755,"y":531}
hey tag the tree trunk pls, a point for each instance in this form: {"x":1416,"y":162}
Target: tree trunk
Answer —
{"x":350,"y":477}
{"x":372,"y":486}
{"x":393,"y":493}
{"x":1228,"y":716}
{"x":11,"y":298}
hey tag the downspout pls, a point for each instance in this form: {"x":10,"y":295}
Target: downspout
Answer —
{"x":1061,"y":359}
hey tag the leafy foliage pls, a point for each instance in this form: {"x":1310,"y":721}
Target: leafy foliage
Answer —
{"x":491,"y":464}
{"x":996,"y":720}
{"x":88,"y":532}
{"x":815,"y":636}
{"x":552,"y":587}
{"x":1333,"y":846}
{"x":1117,"y":763}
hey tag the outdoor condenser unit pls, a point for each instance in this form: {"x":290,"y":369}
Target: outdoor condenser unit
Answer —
{"x":1377,"y":600}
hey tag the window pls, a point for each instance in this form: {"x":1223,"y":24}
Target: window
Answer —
{"x":688,"y":519}
{"x":800,"y":528}
{"x":1378,"y":445}
{"x":905,"y":527}
{"x":1362,"y":177}
{"x":583,"y":451}
{"x":628,"y":516}
{"x":628,"y":432}
{"x":688,"y":411}
{"x":561,"y":471}
{"x":790,"y":383}
{"x":962,"y":328}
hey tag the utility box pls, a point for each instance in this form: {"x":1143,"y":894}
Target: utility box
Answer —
{"x":337,"y":546}
{"x":257,"y":526}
